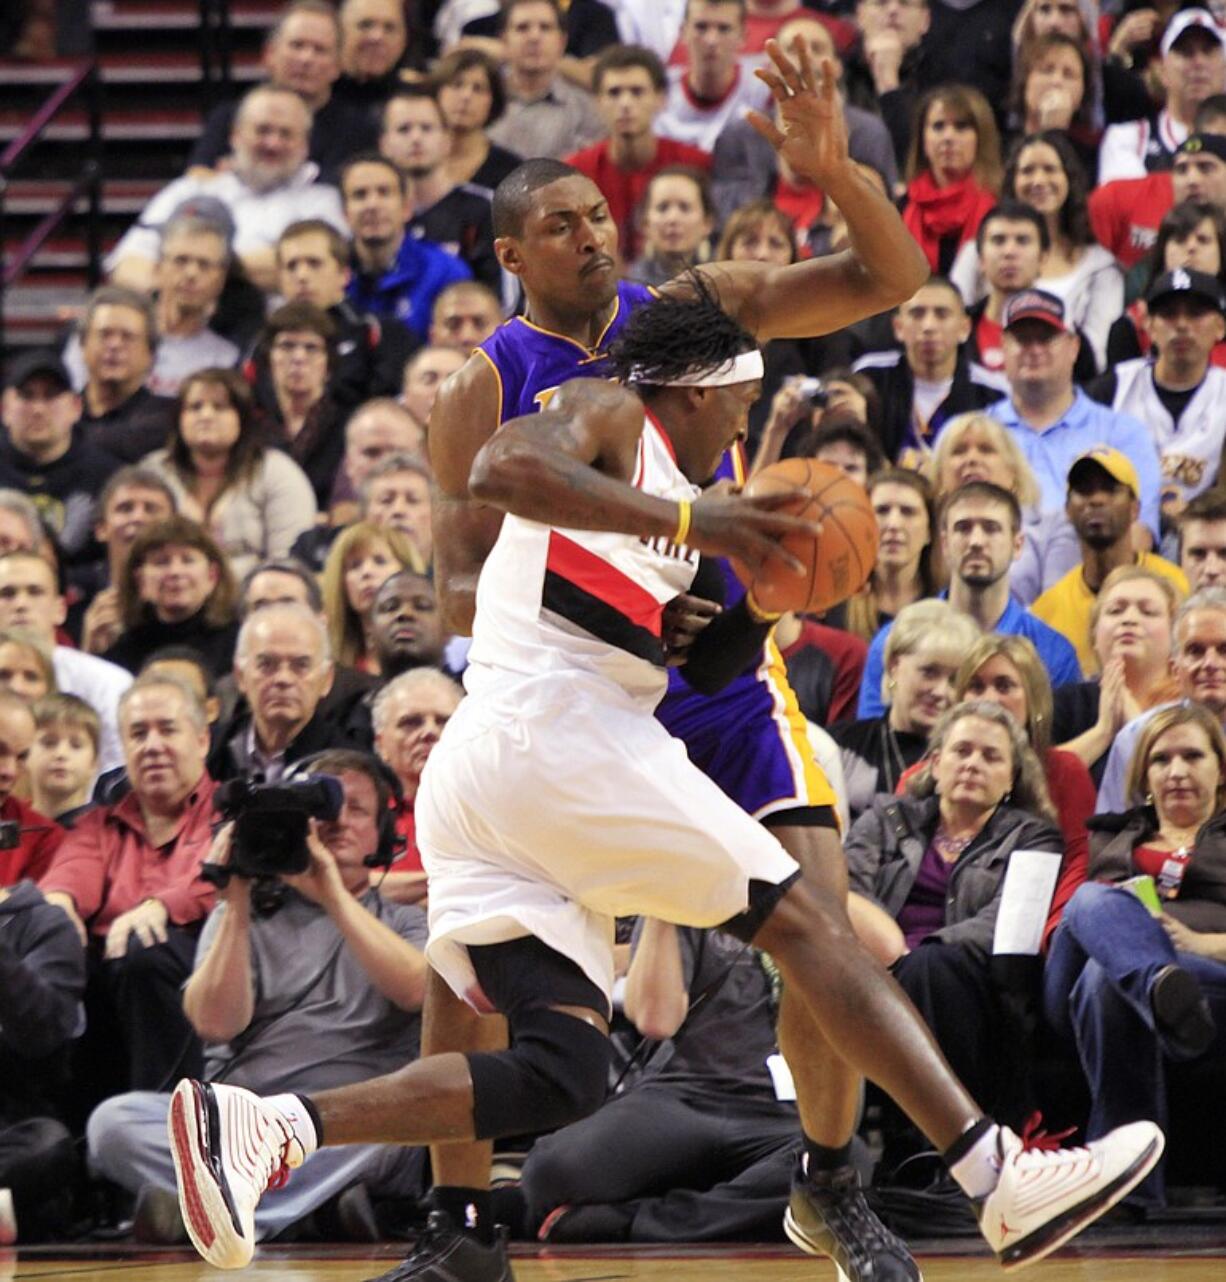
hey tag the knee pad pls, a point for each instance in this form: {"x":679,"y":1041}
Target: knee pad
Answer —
{"x":556,"y":1071}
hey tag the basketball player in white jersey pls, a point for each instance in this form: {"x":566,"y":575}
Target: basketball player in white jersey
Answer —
{"x":555,"y":801}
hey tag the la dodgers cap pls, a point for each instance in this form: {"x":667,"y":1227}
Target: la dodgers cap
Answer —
{"x":1188,"y":282}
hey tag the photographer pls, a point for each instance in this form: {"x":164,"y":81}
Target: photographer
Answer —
{"x":128,"y":876}
{"x":322,"y":990}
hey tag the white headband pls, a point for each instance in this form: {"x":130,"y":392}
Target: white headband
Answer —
{"x":741,"y":369}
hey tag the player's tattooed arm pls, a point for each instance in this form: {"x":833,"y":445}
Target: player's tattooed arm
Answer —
{"x":571,"y":465}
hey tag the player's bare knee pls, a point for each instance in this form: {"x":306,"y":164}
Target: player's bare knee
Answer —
{"x":804,"y":919}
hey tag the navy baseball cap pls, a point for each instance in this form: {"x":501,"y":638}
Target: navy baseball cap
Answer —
{"x":1035,"y":304}
{"x":43,"y":361}
{"x":1188,"y":283}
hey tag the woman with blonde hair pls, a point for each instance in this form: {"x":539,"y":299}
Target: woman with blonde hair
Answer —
{"x":922,"y":654}
{"x":26,"y":666}
{"x":1132,"y":631}
{"x":1136,"y":975}
{"x":1007,"y":670}
{"x":975,"y":447}
{"x":361,"y":560}
{"x":927,"y":872}
{"x":953,"y":171}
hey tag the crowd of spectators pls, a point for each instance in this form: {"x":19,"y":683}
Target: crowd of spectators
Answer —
{"x":216,"y":567}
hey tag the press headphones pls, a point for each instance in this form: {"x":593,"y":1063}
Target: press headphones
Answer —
{"x":391,"y":844}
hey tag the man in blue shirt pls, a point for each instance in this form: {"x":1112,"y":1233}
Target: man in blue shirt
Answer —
{"x":394,"y":274}
{"x":981,"y":536}
{"x":1055,"y":423}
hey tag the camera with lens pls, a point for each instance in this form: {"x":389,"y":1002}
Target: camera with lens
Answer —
{"x":813,"y":390}
{"x":271,"y":822}
{"x":10,"y":834}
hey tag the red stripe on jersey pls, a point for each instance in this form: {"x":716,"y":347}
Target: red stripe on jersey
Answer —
{"x":599,"y":579}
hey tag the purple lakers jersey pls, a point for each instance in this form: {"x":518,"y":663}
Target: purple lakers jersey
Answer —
{"x":532,"y":363}
{"x":777,"y":773}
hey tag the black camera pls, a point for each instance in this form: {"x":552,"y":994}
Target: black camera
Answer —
{"x":271,"y":822}
{"x":10,"y":834}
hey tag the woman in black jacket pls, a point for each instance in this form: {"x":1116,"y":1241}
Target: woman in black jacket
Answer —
{"x":927,"y":873}
{"x":176,"y":589}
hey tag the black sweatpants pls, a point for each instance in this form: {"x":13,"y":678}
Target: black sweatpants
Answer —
{"x":688,"y":1167}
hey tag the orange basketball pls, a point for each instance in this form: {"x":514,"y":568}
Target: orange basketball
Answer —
{"x":838,"y":562}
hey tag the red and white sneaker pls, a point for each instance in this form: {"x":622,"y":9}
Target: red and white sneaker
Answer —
{"x":229,"y":1147}
{"x":1047,"y":1195}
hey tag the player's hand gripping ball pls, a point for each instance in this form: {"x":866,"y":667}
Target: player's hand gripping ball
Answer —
{"x":837,"y":562}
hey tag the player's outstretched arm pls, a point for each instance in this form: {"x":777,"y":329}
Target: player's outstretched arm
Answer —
{"x":884,"y":265}
{"x":570,"y":466}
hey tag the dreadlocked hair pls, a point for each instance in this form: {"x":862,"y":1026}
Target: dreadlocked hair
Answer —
{"x":679,"y":333}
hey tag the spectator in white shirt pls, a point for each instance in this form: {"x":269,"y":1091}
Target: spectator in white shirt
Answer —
{"x":714,"y":89}
{"x":269,"y":184}
{"x":30,"y":599}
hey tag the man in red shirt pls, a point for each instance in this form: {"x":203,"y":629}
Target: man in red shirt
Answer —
{"x":1012,"y":240}
{"x":1125,"y":215}
{"x":630,"y":88}
{"x":128,"y":876}
{"x":36,"y":836}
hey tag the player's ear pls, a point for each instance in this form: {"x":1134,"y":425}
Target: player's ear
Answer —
{"x":509,"y":255}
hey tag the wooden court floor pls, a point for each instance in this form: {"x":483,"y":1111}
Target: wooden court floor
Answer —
{"x":1185,"y":1253}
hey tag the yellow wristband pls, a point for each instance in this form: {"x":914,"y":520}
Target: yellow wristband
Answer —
{"x":685,"y":510}
{"x":757,"y":613}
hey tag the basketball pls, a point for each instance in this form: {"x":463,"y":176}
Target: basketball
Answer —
{"x":838,"y":562}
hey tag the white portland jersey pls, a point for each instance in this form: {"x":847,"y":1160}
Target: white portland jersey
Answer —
{"x":700,"y":123}
{"x":1191,"y":450}
{"x":557,"y":601}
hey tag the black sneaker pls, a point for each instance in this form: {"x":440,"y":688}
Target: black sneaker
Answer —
{"x":444,"y":1254}
{"x":828,"y":1215}
{"x":1181,"y":1013}
{"x":156,"y":1219}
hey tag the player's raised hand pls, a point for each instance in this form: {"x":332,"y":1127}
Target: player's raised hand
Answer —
{"x":749,"y":529}
{"x":809,"y":131}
